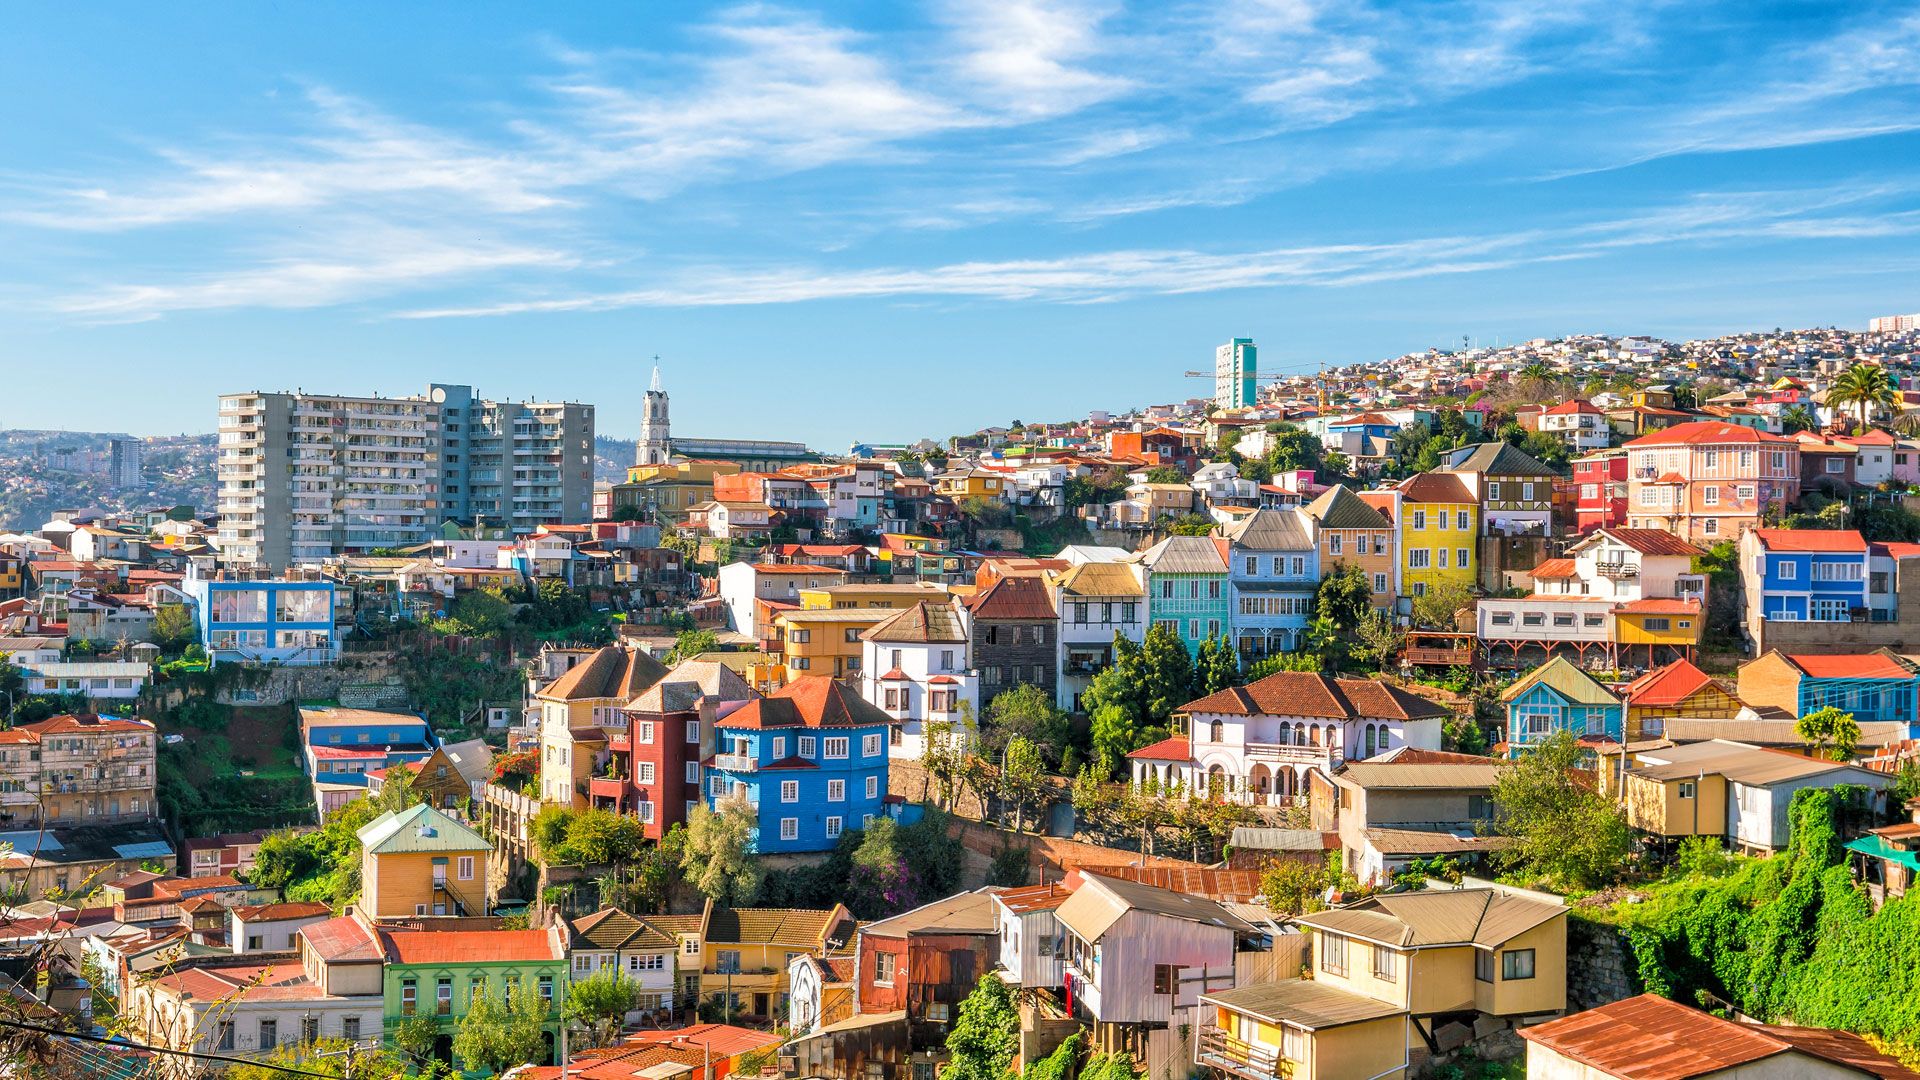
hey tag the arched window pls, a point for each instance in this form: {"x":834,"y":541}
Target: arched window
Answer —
{"x":1386,"y":738}
{"x":1215,"y":730}
{"x":1371,"y":744}
{"x":1316,"y":734}
{"x":1300,"y":733}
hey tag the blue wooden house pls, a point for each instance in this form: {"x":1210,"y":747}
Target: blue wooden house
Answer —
{"x":1805,"y":575}
{"x":1558,"y":696}
{"x":811,"y":758}
{"x":1875,"y":686}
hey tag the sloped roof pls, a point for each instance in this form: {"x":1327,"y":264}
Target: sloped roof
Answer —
{"x":1706,"y":431}
{"x":770,"y":926}
{"x":1554,"y":570}
{"x":1185,"y":555}
{"x":1014,"y":597}
{"x":1303,"y":1003}
{"x":1836,"y":541}
{"x":472,"y":759}
{"x":1042,"y":897}
{"x":1100,"y":579}
{"x":611,"y":672}
{"x":1421,"y":775}
{"x":1435,"y":487}
{"x":1669,"y":685}
{"x":278,"y":912}
{"x":1567,"y":680}
{"x":1271,"y":530}
{"x":71,"y":724}
{"x":1501,"y":459}
{"x":1754,"y":766}
{"x":1101,"y":901}
{"x":1309,"y":693}
{"x":469,"y":946}
{"x":815,"y":701}
{"x":962,"y":913}
{"x":1873,"y":665}
{"x":1644,"y":541}
{"x":342,"y":940}
{"x":682,"y":689}
{"x":416,"y":829}
{"x":611,"y":928}
{"x":1168,"y":749}
{"x":1481,"y":917}
{"x":1651,"y":1038}
{"x":1339,"y":508}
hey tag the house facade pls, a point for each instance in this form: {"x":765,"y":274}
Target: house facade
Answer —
{"x":1874,"y":686}
{"x":1016,"y":636}
{"x":246,"y":619}
{"x":1514,"y":489}
{"x":1805,"y":575}
{"x":1707,"y":481}
{"x":1556,"y":697}
{"x":1274,"y":570}
{"x":654,"y":771}
{"x":1352,"y":533}
{"x":439,"y":973}
{"x":811,"y":757}
{"x":917,"y":667}
{"x":77,"y":770}
{"x":1187,"y":587}
{"x":1439,"y":525}
{"x":1097,"y":602}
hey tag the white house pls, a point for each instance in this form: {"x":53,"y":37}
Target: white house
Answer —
{"x":105,"y":680}
{"x":272,"y":927}
{"x":1258,"y":743}
{"x":1096,"y":601}
{"x":642,"y":952}
{"x":916,"y":666}
{"x":1758,"y":783}
{"x":819,"y":992}
{"x":1033,"y":945}
{"x":743,"y":585}
{"x":1578,"y":424}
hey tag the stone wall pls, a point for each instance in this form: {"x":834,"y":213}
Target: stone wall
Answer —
{"x":280,"y":685}
{"x":1599,"y":965}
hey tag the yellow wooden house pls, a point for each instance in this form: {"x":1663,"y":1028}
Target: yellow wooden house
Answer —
{"x":419,"y":861}
{"x":1680,"y":689}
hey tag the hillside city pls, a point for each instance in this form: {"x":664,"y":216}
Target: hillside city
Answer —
{"x":1542,"y":709}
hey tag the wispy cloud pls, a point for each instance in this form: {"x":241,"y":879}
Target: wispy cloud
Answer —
{"x":1033,"y":58}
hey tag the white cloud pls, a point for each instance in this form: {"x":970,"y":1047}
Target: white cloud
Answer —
{"x":1031,"y":58}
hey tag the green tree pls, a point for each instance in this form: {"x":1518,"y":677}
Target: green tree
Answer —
{"x":1022,"y":779}
{"x":627,"y":512}
{"x":688,"y":644}
{"x":1377,"y":639}
{"x":599,"y":1004}
{"x":1795,"y":418}
{"x":1291,"y":448}
{"x":1559,"y":827}
{"x":173,"y":626}
{"x":1833,"y":733}
{"x":326,"y":1057}
{"x":1435,"y":609}
{"x":1165,"y":474}
{"x":416,"y":1036}
{"x":1167,"y":667}
{"x":1216,"y":667}
{"x":1866,"y":387}
{"x":985,"y":1033}
{"x":1027,"y":712}
{"x":1344,"y":601}
{"x":719,"y":859}
{"x":496,"y":1035}
{"x":480,"y":613}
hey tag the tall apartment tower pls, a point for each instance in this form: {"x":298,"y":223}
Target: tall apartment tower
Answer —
{"x":123,"y":462}
{"x":656,"y":442}
{"x":307,"y":476}
{"x":1234,"y":367}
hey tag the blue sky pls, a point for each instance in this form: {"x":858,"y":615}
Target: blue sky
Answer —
{"x":883,"y":221}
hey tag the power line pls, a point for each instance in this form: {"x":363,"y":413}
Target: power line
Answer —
{"x":127,"y":1044}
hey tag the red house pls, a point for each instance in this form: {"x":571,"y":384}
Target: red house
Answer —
{"x":1600,"y":481}
{"x":655,"y":771}
{"x":926,"y":961}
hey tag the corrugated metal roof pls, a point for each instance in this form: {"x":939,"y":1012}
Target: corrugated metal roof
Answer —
{"x":1369,"y":774}
{"x":1501,"y":459}
{"x":1100,"y":579}
{"x":1271,"y":530}
{"x":1101,"y":901}
{"x":1751,"y":765}
{"x":1484,"y":917}
{"x":1567,"y":680}
{"x":1302,"y":1003}
{"x":963,"y":913}
{"x":1184,"y":555}
{"x":1339,"y":508}
{"x":1250,"y":838}
{"x":418,"y":829}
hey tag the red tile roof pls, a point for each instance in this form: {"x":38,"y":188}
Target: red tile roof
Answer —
{"x":1571,"y":406}
{"x":342,"y":940}
{"x":1896,"y":550}
{"x":1436,"y":487}
{"x":1173,"y":749}
{"x":1014,"y":597}
{"x":468,"y":946}
{"x":1823,"y":540}
{"x":1303,"y":693}
{"x":1706,"y":432}
{"x":1651,"y":1038}
{"x":1553,"y":569}
{"x":1851,"y":666}
{"x":277,"y":912}
{"x":1651,"y":541}
{"x":1669,"y":685}
{"x":70,"y":724}
{"x":1044,"y":897}
{"x":724,"y":1040}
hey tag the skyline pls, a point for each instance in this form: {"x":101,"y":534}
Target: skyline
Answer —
{"x":922,"y":207}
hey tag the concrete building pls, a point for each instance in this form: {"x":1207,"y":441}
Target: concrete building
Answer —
{"x":306,"y":476}
{"x":77,"y":770}
{"x":1235,"y":366}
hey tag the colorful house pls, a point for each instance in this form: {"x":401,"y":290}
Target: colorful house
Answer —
{"x":1351,"y":532}
{"x":439,"y":973}
{"x":581,"y":711}
{"x":1873,"y":686}
{"x":418,"y":862}
{"x":1558,"y":696}
{"x":1678,"y":690}
{"x":1709,"y":480}
{"x":1804,"y":575}
{"x":1600,"y":481}
{"x":1187,"y":588}
{"x":745,"y":953}
{"x":811,"y":757}
{"x":1514,"y":489}
{"x":1274,"y":571}
{"x":1439,"y":523}
{"x":264,"y":621}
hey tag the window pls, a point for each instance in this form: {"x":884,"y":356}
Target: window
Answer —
{"x":463,"y":868}
{"x":693,"y":772}
{"x":1379,"y":583}
{"x":1533,"y":618}
{"x":1662,"y":623}
{"x":1501,"y":618}
{"x":1526,"y":492}
{"x":1482,"y":965}
{"x":1460,"y":519}
{"x":693,"y":731}
{"x":1710,"y":495}
{"x":1836,"y":465}
{"x":1516,"y":964}
{"x":789,"y":791}
{"x":1563,"y":618}
{"x":807,"y":743}
{"x":269,"y":1034}
{"x":255,"y":943}
{"x":1333,"y":543}
{"x":1253,"y":570}
{"x":838,"y":746}
{"x":883,"y":966}
{"x":836,"y":791}
{"x":350,"y":1028}
{"x":1787,"y":570}
{"x":1333,"y":953}
{"x":545,"y":987}
{"x":873,"y":787}
{"x":1443,"y":558}
{"x":1460,"y":558}
{"x":1419,"y":519}
{"x":1836,"y":571}
{"x":1419,"y":558}
{"x":870,"y":746}
{"x":225,"y":1039}
{"x":1493,"y":491}
{"x":1166,"y":979}
{"x":1385,"y":967}
{"x":727,"y":961}
{"x":833,"y":828}
{"x":443,"y":997}
{"x":1687,"y":789}
{"x":409,"y":994}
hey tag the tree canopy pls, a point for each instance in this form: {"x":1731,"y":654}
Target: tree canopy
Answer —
{"x":1559,"y":826}
{"x":719,"y":859}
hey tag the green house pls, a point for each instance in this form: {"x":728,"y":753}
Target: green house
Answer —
{"x":438,"y":973}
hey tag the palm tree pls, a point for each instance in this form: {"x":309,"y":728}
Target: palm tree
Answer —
{"x":1907,"y":423}
{"x":1864,"y":386}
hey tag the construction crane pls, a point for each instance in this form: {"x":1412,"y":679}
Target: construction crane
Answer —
{"x":1319,"y":380}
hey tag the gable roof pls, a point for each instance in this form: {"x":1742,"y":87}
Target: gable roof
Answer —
{"x":772,"y":926}
{"x":1565,"y":679}
{"x":611,"y":672}
{"x":1185,"y":555}
{"x":1706,"y":431}
{"x":1669,"y":685}
{"x":344,"y":940}
{"x":1016,"y":596}
{"x":1651,"y":1038}
{"x":1339,"y":508}
{"x":1173,"y":748}
{"x":470,"y":946}
{"x":1835,"y":541}
{"x":921,"y":624}
{"x":1435,"y":487}
{"x":683,"y":688}
{"x":1501,"y":459}
{"x":1873,"y":665}
{"x":1309,"y":693}
{"x":611,"y":928}
{"x":1420,"y":775}
{"x":1100,"y":579}
{"x":963,"y":913}
{"x":1484,"y":917}
{"x":416,"y":829}
{"x":1102,"y":901}
{"x":1644,"y":541}
{"x":1270,"y":530}
{"x":815,"y":701}
{"x":1302,"y":1003}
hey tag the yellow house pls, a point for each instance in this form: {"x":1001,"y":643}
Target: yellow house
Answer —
{"x":580,"y":711}
{"x":671,"y":489}
{"x":1671,"y":802}
{"x":746,"y":953}
{"x":970,"y":484}
{"x":1664,"y":627}
{"x":1678,"y":690}
{"x":824,"y":641}
{"x":1386,"y":972}
{"x":418,"y":862}
{"x":884,"y":596}
{"x":1439,"y":524}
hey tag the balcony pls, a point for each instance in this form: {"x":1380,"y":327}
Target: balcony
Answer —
{"x":735,"y":762}
{"x":1292,"y":754}
{"x":608,"y":787}
{"x":1618,"y":571}
{"x":1217,"y":1049}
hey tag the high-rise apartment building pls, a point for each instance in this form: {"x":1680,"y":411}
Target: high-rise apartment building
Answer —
{"x":124,"y":462}
{"x":1234,"y":369}
{"x":1894,"y":324}
{"x":306,"y":476}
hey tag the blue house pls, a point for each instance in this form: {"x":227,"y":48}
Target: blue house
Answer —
{"x":1558,"y":696}
{"x":811,"y":758}
{"x":1273,"y":571}
{"x":272,"y":620}
{"x":1372,"y":425}
{"x":340,"y":746}
{"x":1805,"y":575}
{"x":1875,"y":687}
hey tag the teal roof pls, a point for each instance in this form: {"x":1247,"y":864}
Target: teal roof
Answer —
{"x":1878,"y":848}
{"x":418,"y":829}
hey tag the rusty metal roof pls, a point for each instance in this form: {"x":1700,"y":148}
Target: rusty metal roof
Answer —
{"x":1302,"y":1003}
